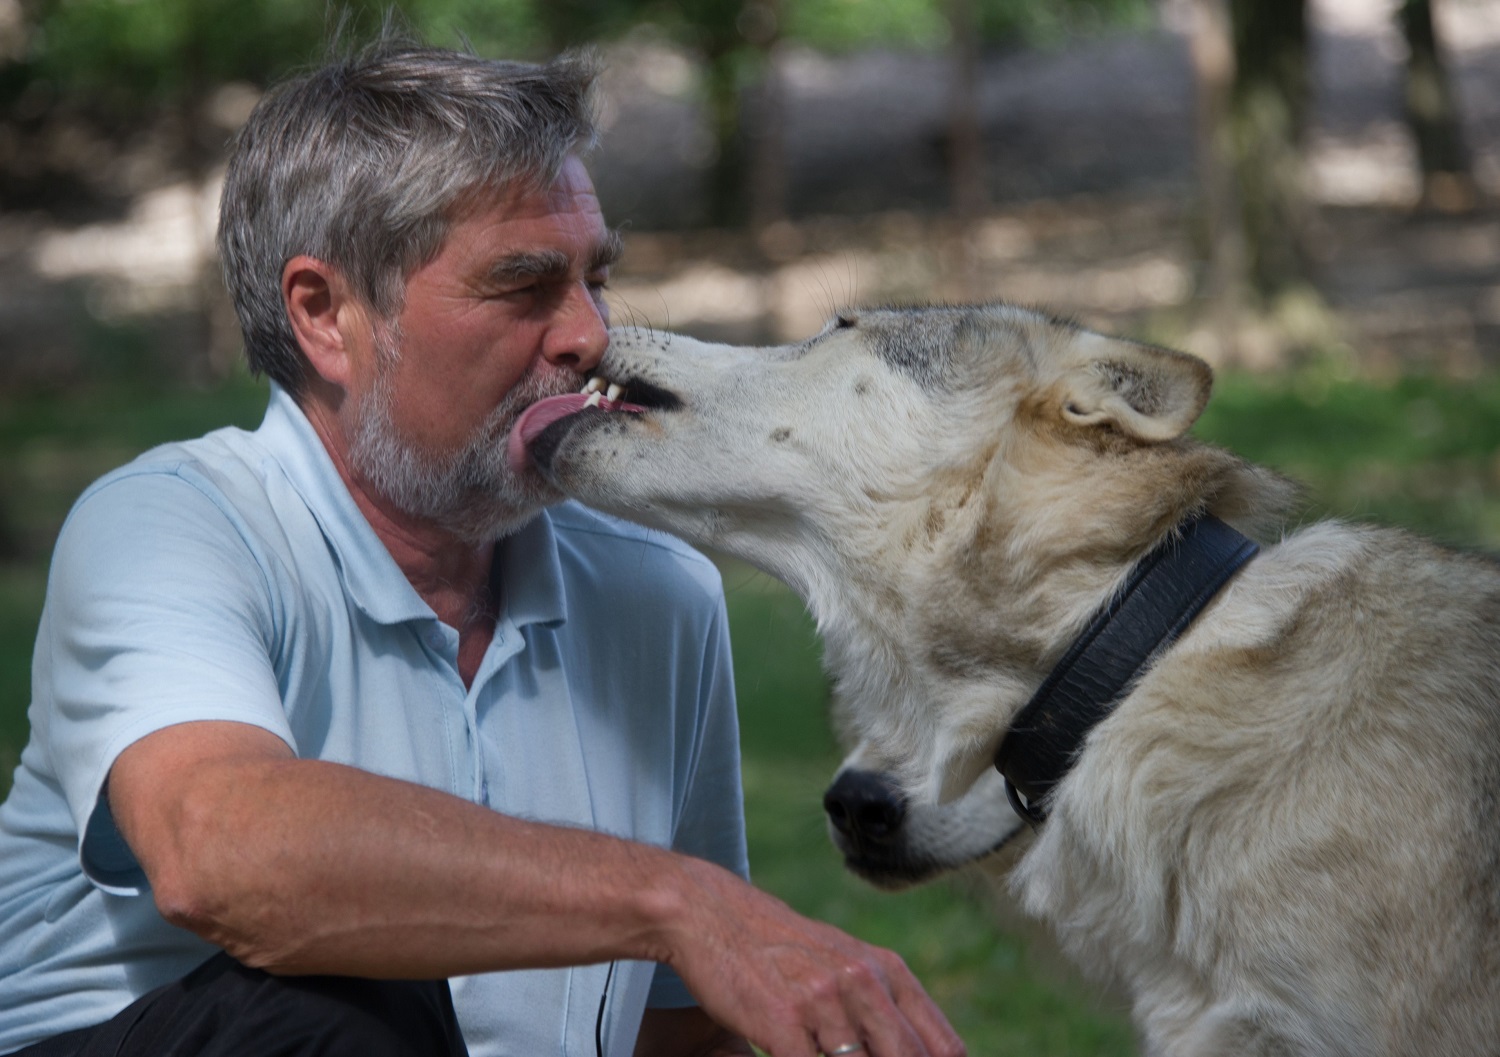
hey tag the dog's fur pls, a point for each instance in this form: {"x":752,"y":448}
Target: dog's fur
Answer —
{"x":1286,"y":840}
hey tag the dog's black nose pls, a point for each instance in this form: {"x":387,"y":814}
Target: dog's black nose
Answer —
{"x":866,"y":807}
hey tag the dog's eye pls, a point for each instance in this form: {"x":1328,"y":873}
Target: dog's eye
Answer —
{"x":838,"y":321}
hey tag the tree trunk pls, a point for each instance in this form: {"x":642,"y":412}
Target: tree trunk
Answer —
{"x":768,"y":181}
{"x":1212,"y":47}
{"x":726,"y":174}
{"x":216,"y":331}
{"x":1268,"y":115}
{"x":1432,"y":114}
{"x":965,"y":139}
{"x":967,"y":197}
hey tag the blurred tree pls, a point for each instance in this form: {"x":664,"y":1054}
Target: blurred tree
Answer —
{"x":715,"y":30}
{"x":767,"y":123}
{"x":156,"y":50}
{"x":971,"y":26}
{"x":1432,"y":114}
{"x":118,"y":62}
{"x":966,"y":178}
{"x":123,"y":74}
{"x":738,"y":42}
{"x":123,"y":71}
{"x":113,"y":63}
{"x":1268,"y":120}
{"x":968,"y":28}
{"x":1251,"y":69}
{"x":114,"y":60}
{"x":1268,"y":107}
{"x":1211,"y":46}
{"x":734,"y":41}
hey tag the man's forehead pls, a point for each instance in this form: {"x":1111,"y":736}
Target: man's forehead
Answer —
{"x":569,"y":190}
{"x":520,"y":228}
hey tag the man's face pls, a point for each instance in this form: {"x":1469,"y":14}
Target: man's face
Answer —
{"x":509,"y":311}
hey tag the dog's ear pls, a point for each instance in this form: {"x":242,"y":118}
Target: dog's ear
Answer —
{"x":1145,"y":392}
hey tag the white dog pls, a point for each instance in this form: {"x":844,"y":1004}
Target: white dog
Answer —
{"x":1262,"y":791}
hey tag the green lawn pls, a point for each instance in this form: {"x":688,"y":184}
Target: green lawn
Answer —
{"x":1420,"y":452}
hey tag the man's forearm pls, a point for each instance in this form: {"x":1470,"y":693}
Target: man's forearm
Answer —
{"x":306,"y":867}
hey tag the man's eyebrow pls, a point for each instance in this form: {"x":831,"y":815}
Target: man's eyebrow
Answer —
{"x":609,"y":250}
{"x":529,"y":265}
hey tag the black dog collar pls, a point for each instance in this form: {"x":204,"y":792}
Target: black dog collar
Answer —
{"x":1166,"y":590}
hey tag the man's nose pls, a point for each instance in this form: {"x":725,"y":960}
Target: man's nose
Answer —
{"x":579,"y":333}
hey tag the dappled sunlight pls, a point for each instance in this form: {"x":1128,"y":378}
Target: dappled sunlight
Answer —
{"x":151,"y":261}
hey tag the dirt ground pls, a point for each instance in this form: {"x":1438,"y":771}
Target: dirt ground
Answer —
{"x":1089,"y":161}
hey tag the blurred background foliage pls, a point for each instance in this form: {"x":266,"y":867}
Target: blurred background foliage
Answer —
{"x":1299,"y":190}
{"x":115,"y":61}
{"x":151,"y":49}
{"x":130,"y":53}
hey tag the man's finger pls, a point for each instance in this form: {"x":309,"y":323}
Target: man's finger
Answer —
{"x":881,"y":1023}
{"x":921,"y":1012}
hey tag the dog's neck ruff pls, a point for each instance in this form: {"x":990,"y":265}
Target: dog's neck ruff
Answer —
{"x":1166,"y":590}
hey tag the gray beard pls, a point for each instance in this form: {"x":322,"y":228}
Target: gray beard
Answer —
{"x":472,"y":493}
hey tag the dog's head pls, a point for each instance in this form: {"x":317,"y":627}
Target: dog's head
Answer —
{"x":945,"y":487}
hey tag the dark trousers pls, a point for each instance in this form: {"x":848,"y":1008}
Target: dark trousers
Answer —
{"x":222,"y":1009}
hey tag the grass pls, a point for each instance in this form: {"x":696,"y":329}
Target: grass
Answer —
{"x":1416,"y":451}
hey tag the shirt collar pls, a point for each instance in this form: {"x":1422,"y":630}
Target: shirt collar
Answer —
{"x":527,"y":571}
{"x":530,"y":577}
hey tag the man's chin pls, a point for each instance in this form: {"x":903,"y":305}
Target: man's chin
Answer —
{"x":473,"y":494}
{"x":491,"y":518}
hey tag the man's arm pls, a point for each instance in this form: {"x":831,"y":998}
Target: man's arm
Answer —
{"x":299,"y":866}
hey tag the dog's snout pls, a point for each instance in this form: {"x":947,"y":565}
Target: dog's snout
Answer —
{"x":865,"y":807}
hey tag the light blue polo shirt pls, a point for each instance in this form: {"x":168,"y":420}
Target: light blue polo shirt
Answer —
{"x":233,"y":578}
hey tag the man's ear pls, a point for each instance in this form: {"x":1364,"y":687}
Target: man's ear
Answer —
{"x":1144,"y":392}
{"x":317,"y":302}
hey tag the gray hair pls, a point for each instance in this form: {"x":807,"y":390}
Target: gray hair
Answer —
{"x":366,"y":162}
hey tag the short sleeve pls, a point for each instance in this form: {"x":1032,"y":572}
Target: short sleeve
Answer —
{"x":157,"y":613}
{"x":712,"y":825}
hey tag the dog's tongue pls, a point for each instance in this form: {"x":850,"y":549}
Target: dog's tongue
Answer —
{"x":543,"y":413}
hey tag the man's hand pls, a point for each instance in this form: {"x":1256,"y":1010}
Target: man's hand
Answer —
{"x":795,"y":987}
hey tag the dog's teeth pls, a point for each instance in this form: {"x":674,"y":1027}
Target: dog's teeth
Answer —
{"x":595,"y":385}
{"x":614,"y":392}
{"x":594,"y":398}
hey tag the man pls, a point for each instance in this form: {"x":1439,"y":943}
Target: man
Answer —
{"x":294,"y":703}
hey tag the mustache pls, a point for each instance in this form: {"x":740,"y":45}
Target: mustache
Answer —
{"x":538,"y":383}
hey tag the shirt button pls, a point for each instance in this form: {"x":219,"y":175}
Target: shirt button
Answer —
{"x":435,"y":640}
